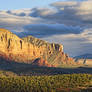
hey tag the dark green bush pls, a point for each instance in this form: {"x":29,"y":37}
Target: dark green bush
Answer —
{"x":44,"y":83}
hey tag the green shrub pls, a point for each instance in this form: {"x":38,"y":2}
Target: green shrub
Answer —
{"x":44,"y":83}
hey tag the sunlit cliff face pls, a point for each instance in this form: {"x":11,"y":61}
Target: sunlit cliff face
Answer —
{"x":29,"y":49}
{"x":68,"y":22}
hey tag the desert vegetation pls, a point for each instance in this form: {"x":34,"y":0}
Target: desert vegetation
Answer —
{"x":56,"y":83}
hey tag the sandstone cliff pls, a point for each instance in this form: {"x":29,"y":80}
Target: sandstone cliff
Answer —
{"x":29,"y":48}
{"x":53,"y":53}
{"x":42,"y":62}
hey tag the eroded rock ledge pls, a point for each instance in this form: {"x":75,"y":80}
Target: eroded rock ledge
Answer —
{"x":29,"y":48}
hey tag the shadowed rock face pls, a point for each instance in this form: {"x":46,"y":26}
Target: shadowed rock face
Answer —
{"x":42,"y":62}
{"x":28,"y":49}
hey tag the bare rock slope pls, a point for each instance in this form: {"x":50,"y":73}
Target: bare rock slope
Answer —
{"x":29,"y":49}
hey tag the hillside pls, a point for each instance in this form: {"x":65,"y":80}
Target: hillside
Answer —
{"x":85,"y":59}
{"x":29,"y":49}
{"x":54,"y":53}
{"x":84,"y":56}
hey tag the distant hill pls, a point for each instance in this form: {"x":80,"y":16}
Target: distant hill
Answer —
{"x":30,"y":49}
{"x":84,"y":56}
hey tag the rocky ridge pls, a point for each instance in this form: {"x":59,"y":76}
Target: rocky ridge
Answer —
{"x":29,"y":49}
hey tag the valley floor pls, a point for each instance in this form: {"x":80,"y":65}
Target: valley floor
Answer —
{"x":21,"y":77}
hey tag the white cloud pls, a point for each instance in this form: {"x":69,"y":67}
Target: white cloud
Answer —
{"x":37,"y":12}
{"x":79,"y":12}
{"x":74,"y":44}
{"x":68,"y":22}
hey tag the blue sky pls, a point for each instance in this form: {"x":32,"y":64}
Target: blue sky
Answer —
{"x":20,"y":4}
{"x":67,"y":24}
